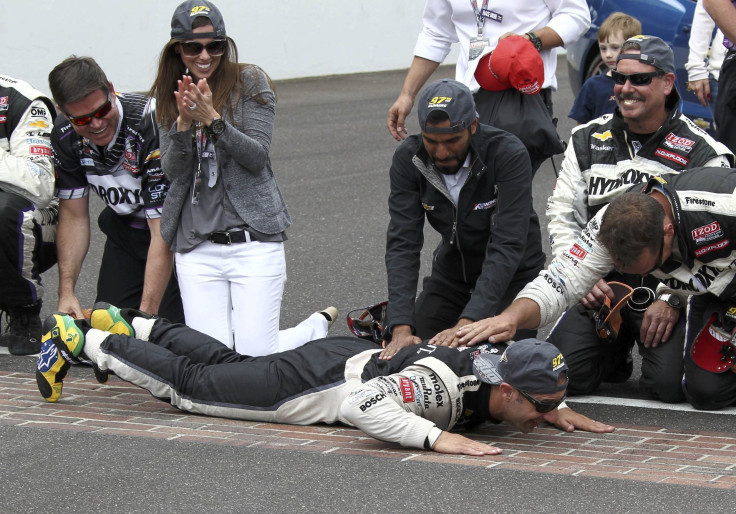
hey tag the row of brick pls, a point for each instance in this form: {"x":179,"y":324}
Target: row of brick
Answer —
{"x":650,"y":454}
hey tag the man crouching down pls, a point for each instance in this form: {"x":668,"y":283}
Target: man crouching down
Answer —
{"x":414,"y":399}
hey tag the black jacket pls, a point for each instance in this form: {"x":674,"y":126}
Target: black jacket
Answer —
{"x":491,"y":237}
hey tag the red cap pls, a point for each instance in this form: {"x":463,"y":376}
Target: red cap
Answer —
{"x":513,"y":63}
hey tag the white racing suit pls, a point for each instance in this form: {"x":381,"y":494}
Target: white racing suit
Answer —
{"x":28,"y":209}
{"x":603,"y":160}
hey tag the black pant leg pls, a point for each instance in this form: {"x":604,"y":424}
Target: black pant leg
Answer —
{"x":662,"y":366}
{"x":725,"y":111}
{"x":441,"y":303}
{"x":123,"y":268}
{"x":23,"y":253}
{"x":438,"y":306}
{"x":197,"y":346}
{"x":588,"y":358}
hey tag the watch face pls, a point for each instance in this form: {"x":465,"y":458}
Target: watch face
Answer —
{"x":672,"y":300}
{"x":217,"y":127}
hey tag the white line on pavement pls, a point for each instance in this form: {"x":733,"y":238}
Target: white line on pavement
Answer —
{"x":646,"y":404}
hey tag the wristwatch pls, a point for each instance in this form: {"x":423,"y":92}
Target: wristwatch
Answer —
{"x":216,"y":128}
{"x":535,"y":40}
{"x":672,"y":300}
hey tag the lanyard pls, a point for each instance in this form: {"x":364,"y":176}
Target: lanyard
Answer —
{"x":479,"y":18}
{"x":199,"y":141}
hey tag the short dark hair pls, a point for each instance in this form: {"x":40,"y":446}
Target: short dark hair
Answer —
{"x":437,"y":116}
{"x":632,"y":223}
{"x":76,"y":77}
{"x":630,"y":45}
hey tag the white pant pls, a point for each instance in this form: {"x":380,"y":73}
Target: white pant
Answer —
{"x":233,"y":293}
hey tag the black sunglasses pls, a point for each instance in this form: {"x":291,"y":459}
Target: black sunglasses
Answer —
{"x":214,"y":48}
{"x":636,"y":79}
{"x":540,"y":406}
{"x":101,"y":112}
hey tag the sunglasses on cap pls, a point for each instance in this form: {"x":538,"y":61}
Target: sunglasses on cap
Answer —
{"x":214,"y":48}
{"x":101,"y":112}
{"x":636,"y":79}
{"x":368,"y":323}
{"x":540,"y":406}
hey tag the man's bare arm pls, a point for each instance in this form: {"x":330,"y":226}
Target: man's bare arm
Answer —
{"x":421,"y":69}
{"x":158,"y":269}
{"x":72,"y":244}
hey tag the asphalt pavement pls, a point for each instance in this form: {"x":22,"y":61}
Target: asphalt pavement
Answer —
{"x":331,"y":153}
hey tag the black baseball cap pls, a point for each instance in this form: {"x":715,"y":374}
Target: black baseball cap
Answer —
{"x":184,"y":15}
{"x":529,"y":365}
{"x":452,"y":97}
{"x":652,"y":51}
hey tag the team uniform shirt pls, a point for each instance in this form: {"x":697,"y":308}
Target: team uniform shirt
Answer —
{"x":26,"y":158}
{"x":409,"y":399}
{"x":704,"y":208}
{"x":126,"y":174}
{"x":604,"y":159}
{"x":595,"y":99}
{"x":454,"y":21}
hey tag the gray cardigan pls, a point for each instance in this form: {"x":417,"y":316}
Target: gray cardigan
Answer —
{"x":243,"y":156}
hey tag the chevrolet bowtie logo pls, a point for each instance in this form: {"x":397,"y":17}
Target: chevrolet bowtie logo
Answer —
{"x":603,"y":136}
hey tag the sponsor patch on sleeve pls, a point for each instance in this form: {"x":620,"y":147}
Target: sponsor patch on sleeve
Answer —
{"x":671,"y":156}
{"x":681,"y":144}
{"x":720,"y":245}
{"x":706,"y":233}
{"x":41,"y":150}
{"x":578,"y":251}
{"x":407,"y":390}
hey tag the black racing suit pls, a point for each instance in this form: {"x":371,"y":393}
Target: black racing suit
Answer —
{"x":491,"y":243}
{"x":28,"y":209}
{"x":603,"y":160}
{"x":128,"y":177}
{"x":409,"y":399}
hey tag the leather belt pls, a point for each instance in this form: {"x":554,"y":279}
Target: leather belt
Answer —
{"x":228,"y":238}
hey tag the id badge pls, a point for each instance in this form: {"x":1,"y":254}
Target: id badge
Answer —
{"x":195,"y":186}
{"x":477,"y":44}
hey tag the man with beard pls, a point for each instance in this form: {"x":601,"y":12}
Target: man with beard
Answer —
{"x":473,"y":183}
{"x":646,"y":136}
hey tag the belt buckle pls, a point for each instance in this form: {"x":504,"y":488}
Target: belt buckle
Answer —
{"x":221,"y":238}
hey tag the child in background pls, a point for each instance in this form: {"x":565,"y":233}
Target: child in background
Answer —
{"x":596,"y":96}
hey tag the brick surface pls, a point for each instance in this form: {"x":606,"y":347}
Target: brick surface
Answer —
{"x":636,"y":453}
